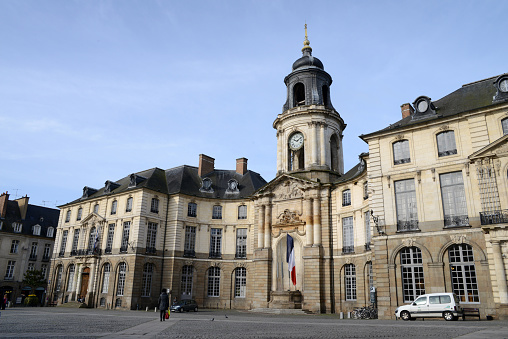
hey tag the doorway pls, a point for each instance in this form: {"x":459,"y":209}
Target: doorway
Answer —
{"x":85,"y":275}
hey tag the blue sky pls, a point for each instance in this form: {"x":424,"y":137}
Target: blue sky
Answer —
{"x":95,"y":90}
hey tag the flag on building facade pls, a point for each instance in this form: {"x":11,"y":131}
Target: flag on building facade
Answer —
{"x":290,"y":258}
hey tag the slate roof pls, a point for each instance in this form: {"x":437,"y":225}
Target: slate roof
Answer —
{"x":475,"y":95}
{"x":35,"y":215}
{"x":185,"y":180}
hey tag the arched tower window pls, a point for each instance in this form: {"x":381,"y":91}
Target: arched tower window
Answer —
{"x":334,"y":153}
{"x":326,"y":95}
{"x":298,"y":94}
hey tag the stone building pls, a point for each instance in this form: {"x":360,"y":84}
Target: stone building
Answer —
{"x":27,"y":234}
{"x":423,"y":211}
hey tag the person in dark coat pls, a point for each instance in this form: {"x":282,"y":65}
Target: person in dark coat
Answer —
{"x":163,"y":304}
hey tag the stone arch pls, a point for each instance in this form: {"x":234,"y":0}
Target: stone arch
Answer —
{"x":461,"y":239}
{"x":409,"y":243}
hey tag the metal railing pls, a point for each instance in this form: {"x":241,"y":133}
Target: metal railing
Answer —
{"x":213,"y":254}
{"x":494,"y":217}
{"x":189,"y":253}
{"x":123,"y":249}
{"x":407,"y":225}
{"x":348,"y":249}
{"x":456,"y":220}
{"x":151,"y":250}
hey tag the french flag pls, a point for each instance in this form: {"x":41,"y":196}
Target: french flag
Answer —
{"x":290,"y":258}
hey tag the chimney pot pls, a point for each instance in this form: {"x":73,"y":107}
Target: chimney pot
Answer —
{"x":241,"y":166}
{"x":406,"y":110}
{"x":206,"y":165}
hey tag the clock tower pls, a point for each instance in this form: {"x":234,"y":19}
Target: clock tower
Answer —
{"x":309,"y":129}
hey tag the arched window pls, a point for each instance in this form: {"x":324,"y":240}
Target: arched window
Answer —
{"x":334,"y":153}
{"x":326,"y":95}
{"x":96,"y":208}
{"x":58,"y":283}
{"x":122,"y":268}
{"x":242,"y":212}
{"x":504,"y":125}
{"x":68,"y":216}
{"x":114,"y":204}
{"x":401,"y":152}
{"x":411,"y":264}
{"x":154,"y":207}
{"x":70,"y":279}
{"x":192,"y":209}
{"x":346,"y":197}
{"x":105,"y":277}
{"x":146,"y":287}
{"x":463,"y":273}
{"x":186,"y":284}
{"x":128,"y":206}
{"x":80,"y":214}
{"x":298,"y":95}
{"x":240,"y":282}
{"x":350,"y":281}
{"x":214,"y":282}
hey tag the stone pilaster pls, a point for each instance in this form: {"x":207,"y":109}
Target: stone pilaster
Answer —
{"x":309,"y":222}
{"x":500,"y":272}
{"x":317,"y":220}
{"x":263,"y":272}
{"x":313,"y":284}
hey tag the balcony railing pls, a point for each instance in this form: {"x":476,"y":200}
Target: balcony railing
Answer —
{"x":33,"y":258}
{"x":123,"y":249}
{"x":348,"y":249}
{"x":45,"y":258}
{"x":407,"y":225}
{"x":61,"y":254}
{"x":189,"y":253}
{"x":9,"y":277}
{"x":107,"y":250}
{"x":151,"y":250}
{"x":367,"y":246}
{"x":213,"y":254}
{"x":241,"y":254}
{"x":494,"y":217}
{"x":456,"y":220}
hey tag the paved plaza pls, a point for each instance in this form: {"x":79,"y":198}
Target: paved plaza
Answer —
{"x":60,"y":322}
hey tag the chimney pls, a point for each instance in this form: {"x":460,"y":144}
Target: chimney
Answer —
{"x":206,"y":164}
{"x":3,"y":204}
{"x":23,"y":206}
{"x":406,"y":110}
{"x":241,"y":166}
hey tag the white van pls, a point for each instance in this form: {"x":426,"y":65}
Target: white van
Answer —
{"x":435,"y":305}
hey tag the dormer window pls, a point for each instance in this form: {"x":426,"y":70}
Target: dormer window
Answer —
{"x":206,"y":185}
{"x":135,"y":179}
{"x":232,"y":186}
{"x":50,"y":232}
{"x":110,"y":186}
{"x":423,"y":105}
{"x":501,"y":85}
{"x":17,"y":227}
{"x":88,"y":191}
{"x":36,"y":230}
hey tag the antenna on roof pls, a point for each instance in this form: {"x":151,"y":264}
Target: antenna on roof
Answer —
{"x":44,"y":202}
{"x":16,"y":195}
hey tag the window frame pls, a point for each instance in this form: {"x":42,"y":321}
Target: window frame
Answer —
{"x":240,"y":282}
{"x":125,"y":236}
{"x":14,"y":246}
{"x":190,"y":241}
{"x":9,"y":271}
{"x":453,"y":199}
{"x":504,"y":126}
{"x":128,"y":204}
{"x":346,"y":197}
{"x":241,"y":243}
{"x":412,"y":273}
{"x":242,"y":212}
{"x":350,"y":282}
{"x":348,"y":239}
{"x":217,"y":212}
{"x":106,"y":273}
{"x":405,"y":196}
{"x":68,"y":216}
{"x":399,"y":150}
{"x":463,"y":280}
{"x":146,"y":282}
{"x":446,"y":144}
{"x":122,"y":273}
{"x":151,"y":237}
{"x":80,"y":214}
{"x":215,"y":243}
{"x":192,"y":209}
{"x":154,"y":205}
{"x":213,"y":288}
{"x":114,"y":207}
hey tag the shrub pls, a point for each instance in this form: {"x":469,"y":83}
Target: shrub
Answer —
{"x":31,"y":300}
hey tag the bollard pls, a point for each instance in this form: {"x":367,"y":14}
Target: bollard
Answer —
{"x":156,"y":309}
{"x":147,"y":308}
{"x":341,"y":315}
{"x":349,"y":315}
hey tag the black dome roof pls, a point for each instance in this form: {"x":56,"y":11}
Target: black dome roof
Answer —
{"x":307,"y":60}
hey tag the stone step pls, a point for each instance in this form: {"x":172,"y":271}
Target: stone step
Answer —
{"x":279,"y":311}
{"x":73,"y":304}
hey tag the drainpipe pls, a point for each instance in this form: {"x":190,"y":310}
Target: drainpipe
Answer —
{"x":332,"y":268}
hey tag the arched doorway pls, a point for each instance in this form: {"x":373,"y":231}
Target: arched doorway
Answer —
{"x":281,"y":275}
{"x":85,"y":276}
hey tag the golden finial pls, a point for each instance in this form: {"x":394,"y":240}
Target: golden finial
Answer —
{"x":306,"y":42}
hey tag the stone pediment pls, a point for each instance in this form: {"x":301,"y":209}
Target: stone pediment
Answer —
{"x":495,"y":149}
{"x":93,"y":218}
{"x":286,"y":187}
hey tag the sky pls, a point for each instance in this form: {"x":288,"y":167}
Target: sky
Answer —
{"x":96,"y":90}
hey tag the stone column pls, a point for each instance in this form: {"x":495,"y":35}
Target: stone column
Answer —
{"x":279,"y":151}
{"x":322,"y":145}
{"x":500,"y":272}
{"x":317,"y":220}
{"x":313,"y":129}
{"x":309,"y":222}
{"x":261,"y":225}
{"x":268,"y":225}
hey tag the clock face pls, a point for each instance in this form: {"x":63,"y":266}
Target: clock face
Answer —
{"x":296,"y":141}
{"x":503,"y":85}
{"x":422,"y":106}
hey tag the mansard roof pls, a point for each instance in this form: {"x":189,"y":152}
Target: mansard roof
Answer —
{"x":185,"y":180}
{"x":469,"y":97}
{"x":35,"y":215}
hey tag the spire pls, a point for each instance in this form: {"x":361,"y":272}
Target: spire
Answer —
{"x":306,"y":43}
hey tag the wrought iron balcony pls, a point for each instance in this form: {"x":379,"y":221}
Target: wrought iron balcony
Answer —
{"x":151,"y":250}
{"x":61,"y":254}
{"x":45,"y":258}
{"x":348,"y":249}
{"x":9,"y":277}
{"x":213,"y":254}
{"x":494,"y":217}
{"x":74,"y":252}
{"x":241,"y":254}
{"x":107,"y":250}
{"x":407,"y":225}
{"x":123,"y":249}
{"x":33,"y":258}
{"x":456,"y":220}
{"x":367,"y":246}
{"x":189,"y":253}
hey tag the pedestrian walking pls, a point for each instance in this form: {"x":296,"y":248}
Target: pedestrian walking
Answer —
{"x":163,"y":304}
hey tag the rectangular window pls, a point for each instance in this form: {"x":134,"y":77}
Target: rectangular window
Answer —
{"x":241,"y":243}
{"x":121,"y":279}
{"x":151,"y":237}
{"x":154,"y":207}
{"x":348,"y":245}
{"x":14,"y":246}
{"x":214,"y":282}
{"x":146,"y":287}
{"x":401,"y":152}
{"x":192,"y":210}
{"x":33,"y":251}
{"x":9,"y":273}
{"x":113,"y":207}
{"x":58,"y":283}
{"x":217,"y":212}
{"x":105,"y":278}
{"x":75,"y":242}
{"x":125,"y":236}
{"x":47,"y":252}
{"x":368,"y":236}
{"x":446,"y":144}
{"x":96,"y":209}
{"x":346,"y":198}
{"x":68,"y":216}
{"x":31,"y":266}
{"x":242,"y":212}
{"x":454,"y":199}
{"x":64,"y":243}
{"x":240,"y":282}
{"x":186,"y":280}
{"x":405,"y":201}
{"x":504,"y":124}
{"x":128,"y":207}
{"x":215,"y":242}
{"x":36,"y":230}
{"x":109,"y":241}
{"x":190,"y":241}
{"x":44,"y":270}
{"x":50,"y":232}
{"x":17,"y":227}
{"x":70,"y":280}
{"x":350,"y":281}
{"x":80,"y":214}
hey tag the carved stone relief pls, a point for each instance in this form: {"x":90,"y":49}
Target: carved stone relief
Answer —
{"x":458,"y":238}
{"x":409,"y":242}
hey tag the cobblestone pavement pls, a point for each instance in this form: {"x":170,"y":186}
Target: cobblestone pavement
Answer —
{"x":58,"y":322}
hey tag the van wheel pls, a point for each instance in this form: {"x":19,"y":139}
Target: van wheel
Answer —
{"x":448,"y":316}
{"x":180,"y":310}
{"x":404,"y":315}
